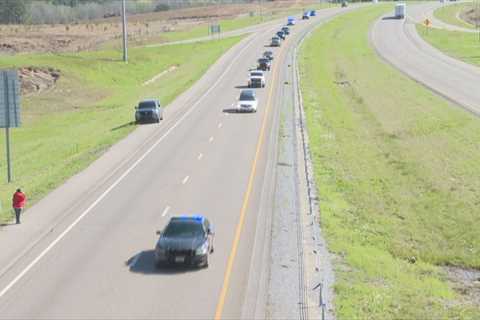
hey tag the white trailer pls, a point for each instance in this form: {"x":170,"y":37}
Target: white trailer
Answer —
{"x":400,"y":10}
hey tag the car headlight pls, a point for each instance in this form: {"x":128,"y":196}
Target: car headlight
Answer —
{"x":203,"y":249}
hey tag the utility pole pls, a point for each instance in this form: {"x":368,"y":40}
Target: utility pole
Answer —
{"x":477,"y":16}
{"x":124,"y":21}
{"x":261,"y":9}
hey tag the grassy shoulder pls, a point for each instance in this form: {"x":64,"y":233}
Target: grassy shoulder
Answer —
{"x":91,"y":108}
{"x":461,"y":45}
{"x":397,"y":174}
{"x":451,"y":14}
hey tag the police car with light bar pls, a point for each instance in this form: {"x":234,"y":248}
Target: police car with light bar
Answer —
{"x":186,"y":240}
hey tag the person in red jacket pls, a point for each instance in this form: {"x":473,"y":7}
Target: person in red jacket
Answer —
{"x":18,"y":203}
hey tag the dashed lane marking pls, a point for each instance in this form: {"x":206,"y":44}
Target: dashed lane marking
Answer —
{"x":165,"y":211}
{"x":119,"y":179}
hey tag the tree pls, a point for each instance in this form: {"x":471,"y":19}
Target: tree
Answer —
{"x":162,"y":7}
{"x":12,"y":11}
{"x":70,"y":3}
{"x":75,"y":3}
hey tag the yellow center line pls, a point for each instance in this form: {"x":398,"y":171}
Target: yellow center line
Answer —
{"x":243,"y":211}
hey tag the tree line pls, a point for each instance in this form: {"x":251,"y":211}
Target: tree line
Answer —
{"x":70,"y":11}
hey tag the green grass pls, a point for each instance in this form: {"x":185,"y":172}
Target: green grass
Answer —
{"x":397,"y":173}
{"x":91,"y":108}
{"x":461,"y":45}
{"x":448,"y":14}
{"x":202,"y":30}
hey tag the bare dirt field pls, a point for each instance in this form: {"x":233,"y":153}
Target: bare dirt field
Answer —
{"x":36,"y":80}
{"x":77,"y":37}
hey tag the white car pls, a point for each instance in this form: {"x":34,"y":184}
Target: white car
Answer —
{"x":256,"y":79}
{"x":248,"y":101}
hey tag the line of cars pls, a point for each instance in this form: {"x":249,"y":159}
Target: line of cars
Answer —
{"x":150,"y":110}
{"x":248,"y":102}
{"x":309,"y":13}
{"x":188,"y":240}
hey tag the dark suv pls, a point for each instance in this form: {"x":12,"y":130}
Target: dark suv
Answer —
{"x":264,"y":64}
{"x":148,"y":111}
{"x":186,"y":240}
{"x":268,"y":55}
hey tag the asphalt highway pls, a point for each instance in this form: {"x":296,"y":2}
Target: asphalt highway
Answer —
{"x":86,"y":250}
{"x":398,"y":42}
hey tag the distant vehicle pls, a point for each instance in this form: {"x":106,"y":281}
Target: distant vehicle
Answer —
{"x":186,"y":240}
{"x":268,"y":55}
{"x":275,"y":42}
{"x":291,"y":21}
{"x":400,"y":10}
{"x":148,"y":110}
{"x":313,"y":13}
{"x":344,"y":4}
{"x":248,"y":101}
{"x":286,"y":30}
{"x":281,"y":35}
{"x":306,"y":16}
{"x":256,"y":79}
{"x":264,"y":64}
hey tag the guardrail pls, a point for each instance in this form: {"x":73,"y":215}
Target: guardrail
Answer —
{"x":311,"y":190}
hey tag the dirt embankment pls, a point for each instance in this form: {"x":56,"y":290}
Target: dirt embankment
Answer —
{"x":472,"y":16}
{"x":77,"y":37}
{"x":37,"y":80}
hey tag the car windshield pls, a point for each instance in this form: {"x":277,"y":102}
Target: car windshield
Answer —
{"x":247,"y":96}
{"x":184,"y":229}
{"x":146,"y":105}
{"x":256,"y":74}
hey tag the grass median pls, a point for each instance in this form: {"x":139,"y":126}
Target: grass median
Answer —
{"x":91,"y":107}
{"x":451,"y":14}
{"x":397,"y":172}
{"x":461,"y":45}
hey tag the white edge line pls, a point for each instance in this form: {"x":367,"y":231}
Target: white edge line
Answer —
{"x":107,"y":191}
{"x":185,"y":179}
